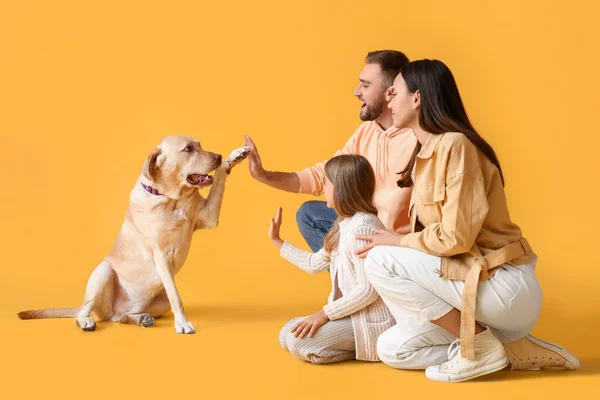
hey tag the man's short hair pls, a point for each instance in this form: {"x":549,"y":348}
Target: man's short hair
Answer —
{"x":390,"y":62}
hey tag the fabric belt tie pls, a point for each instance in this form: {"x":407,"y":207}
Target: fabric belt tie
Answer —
{"x":469,"y":297}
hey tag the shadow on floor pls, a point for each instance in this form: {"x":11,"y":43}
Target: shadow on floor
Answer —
{"x":235,"y":313}
{"x":589,"y":366}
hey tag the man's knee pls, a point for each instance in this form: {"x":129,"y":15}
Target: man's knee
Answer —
{"x":304,"y":215}
{"x":314,"y":221}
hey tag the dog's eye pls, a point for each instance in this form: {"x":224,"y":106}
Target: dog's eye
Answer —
{"x":188,"y":149}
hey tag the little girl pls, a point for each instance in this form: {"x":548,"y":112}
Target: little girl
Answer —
{"x":348,"y":326}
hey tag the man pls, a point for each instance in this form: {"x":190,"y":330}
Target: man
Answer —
{"x":388,"y":150}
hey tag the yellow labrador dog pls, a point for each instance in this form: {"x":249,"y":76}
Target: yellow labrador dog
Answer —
{"x":135,"y":282}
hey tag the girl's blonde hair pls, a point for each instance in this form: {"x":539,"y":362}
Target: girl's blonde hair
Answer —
{"x":353,"y":182}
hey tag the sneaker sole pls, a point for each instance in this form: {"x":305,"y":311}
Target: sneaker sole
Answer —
{"x":572,"y":363}
{"x":481,"y":371}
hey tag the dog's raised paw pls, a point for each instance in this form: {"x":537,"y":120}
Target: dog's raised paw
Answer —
{"x":146,"y":321}
{"x":236,"y":157}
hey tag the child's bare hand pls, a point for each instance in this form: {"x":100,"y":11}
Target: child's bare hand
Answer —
{"x":275,"y":227}
{"x":310,"y":324}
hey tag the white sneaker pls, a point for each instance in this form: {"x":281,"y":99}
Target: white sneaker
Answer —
{"x":489,"y":357}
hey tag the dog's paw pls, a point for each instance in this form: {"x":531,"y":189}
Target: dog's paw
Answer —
{"x":184,"y":327}
{"x":86,"y":324}
{"x":236,"y":157}
{"x":146,"y":321}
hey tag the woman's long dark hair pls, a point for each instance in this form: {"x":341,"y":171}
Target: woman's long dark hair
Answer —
{"x":442,"y":109}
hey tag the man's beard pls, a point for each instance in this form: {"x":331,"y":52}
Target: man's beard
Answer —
{"x":373,"y":111}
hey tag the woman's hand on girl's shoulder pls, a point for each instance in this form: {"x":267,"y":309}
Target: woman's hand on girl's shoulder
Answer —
{"x":380,"y":238}
{"x":275,"y":227}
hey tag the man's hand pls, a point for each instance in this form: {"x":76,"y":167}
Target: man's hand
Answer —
{"x":310,"y":324}
{"x":255,"y":164}
{"x":287,"y":181}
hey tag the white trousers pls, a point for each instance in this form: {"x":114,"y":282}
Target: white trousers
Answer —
{"x":509,"y":303}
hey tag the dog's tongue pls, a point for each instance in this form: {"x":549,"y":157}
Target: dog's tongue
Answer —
{"x":195,"y":178}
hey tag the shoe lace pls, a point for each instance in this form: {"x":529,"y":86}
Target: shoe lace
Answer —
{"x":452,"y":353}
{"x":453,"y":349}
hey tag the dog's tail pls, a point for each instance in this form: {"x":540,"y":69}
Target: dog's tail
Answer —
{"x":49,"y":313}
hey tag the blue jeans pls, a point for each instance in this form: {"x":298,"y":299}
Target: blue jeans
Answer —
{"x":314,"y":222}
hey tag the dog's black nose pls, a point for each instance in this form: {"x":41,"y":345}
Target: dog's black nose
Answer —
{"x":218,"y":158}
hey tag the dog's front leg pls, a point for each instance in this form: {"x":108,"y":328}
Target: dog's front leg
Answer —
{"x":208,"y":217}
{"x":210,"y":211}
{"x":182,"y":325}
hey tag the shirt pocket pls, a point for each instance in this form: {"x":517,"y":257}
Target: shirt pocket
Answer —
{"x":430,"y":201}
{"x":374,"y":316}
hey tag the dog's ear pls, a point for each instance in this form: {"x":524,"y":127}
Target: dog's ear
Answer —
{"x":151,"y":165}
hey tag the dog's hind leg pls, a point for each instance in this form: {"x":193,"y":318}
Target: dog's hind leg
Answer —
{"x":98,"y":298}
{"x":160,"y":305}
{"x":142,"y":319}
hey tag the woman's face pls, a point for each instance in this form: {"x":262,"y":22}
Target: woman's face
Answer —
{"x":404,"y":105}
{"x":328,"y":191}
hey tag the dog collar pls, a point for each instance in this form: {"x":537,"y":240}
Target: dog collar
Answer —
{"x":150,"y":190}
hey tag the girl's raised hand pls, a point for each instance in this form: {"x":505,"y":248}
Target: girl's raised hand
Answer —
{"x":275,"y":227}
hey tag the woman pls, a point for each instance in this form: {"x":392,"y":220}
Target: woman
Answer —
{"x":461,"y":232}
{"x":348,"y":326}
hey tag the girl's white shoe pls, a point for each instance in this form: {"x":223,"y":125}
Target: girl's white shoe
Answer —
{"x":489,"y":357}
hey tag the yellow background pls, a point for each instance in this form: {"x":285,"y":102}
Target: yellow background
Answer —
{"x":89,"y":88}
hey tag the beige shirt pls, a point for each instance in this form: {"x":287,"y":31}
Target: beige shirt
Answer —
{"x":388,"y":151}
{"x":459,"y":199}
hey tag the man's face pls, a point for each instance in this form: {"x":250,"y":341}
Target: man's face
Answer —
{"x":371,"y":92}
